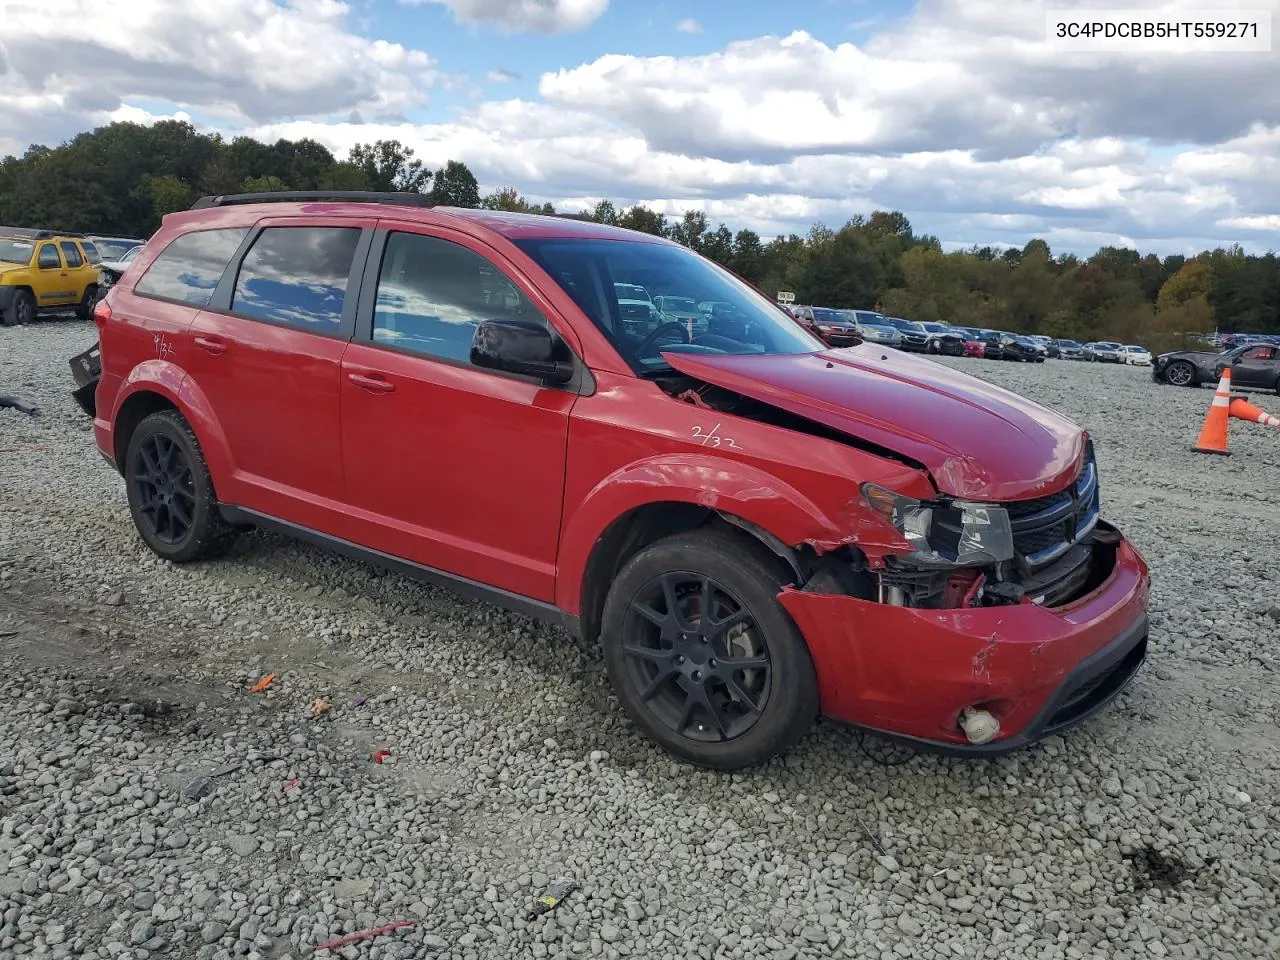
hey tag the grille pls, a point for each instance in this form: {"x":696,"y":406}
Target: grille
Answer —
{"x":1045,"y":528}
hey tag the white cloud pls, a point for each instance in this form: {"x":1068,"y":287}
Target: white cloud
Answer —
{"x":689,"y":25}
{"x":537,"y":16}
{"x":959,"y":116}
{"x":501,"y":75}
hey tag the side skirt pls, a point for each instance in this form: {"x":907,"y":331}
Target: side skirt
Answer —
{"x":470,"y":589}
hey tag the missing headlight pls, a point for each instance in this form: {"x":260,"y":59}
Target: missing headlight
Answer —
{"x":945,"y":533}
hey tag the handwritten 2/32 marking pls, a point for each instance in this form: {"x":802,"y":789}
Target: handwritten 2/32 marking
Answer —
{"x":714,"y":438}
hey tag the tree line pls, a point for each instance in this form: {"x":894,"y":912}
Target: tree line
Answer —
{"x":121,"y":179}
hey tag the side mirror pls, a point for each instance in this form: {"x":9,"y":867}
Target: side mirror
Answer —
{"x":521,"y":347}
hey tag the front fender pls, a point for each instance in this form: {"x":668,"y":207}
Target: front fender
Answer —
{"x":716,"y":483}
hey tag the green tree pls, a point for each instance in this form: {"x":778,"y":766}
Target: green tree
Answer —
{"x":455,"y":186}
{"x":605,"y":212}
{"x":641,"y":218}
{"x":389,"y":166}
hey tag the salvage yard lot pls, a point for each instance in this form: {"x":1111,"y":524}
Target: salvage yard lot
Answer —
{"x":1152,"y":830}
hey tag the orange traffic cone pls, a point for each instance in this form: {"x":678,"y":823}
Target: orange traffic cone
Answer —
{"x":1242,"y":409}
{"x":1213,"y":435}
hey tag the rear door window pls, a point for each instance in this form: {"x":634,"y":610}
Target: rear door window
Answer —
{"x":297,"y":276}
{"x":72,"y":253}
{"x":190,"y":267}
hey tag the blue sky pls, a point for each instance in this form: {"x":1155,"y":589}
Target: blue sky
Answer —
{"x":772,"y":116}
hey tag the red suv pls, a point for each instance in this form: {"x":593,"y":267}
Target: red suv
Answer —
{"x":758,"y":530}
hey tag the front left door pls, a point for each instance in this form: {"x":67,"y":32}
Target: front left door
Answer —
{"x":448,"y":465}
{"x":1255,"y":368}
{"x":53,"y":284}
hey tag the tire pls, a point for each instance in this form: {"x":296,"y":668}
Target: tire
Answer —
{"x":163,"y":467}
{"x":85,"y":310}
{"x":22,"y":309}
{"x":674,"y":683}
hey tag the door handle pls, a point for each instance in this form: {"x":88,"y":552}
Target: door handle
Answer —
{"x":372,"y":384}
{"x":211,"y":345}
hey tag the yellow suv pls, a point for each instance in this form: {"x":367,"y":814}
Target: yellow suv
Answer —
{"x":46,"y":272}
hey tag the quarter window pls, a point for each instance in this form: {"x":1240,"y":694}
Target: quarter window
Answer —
{"x":1260,"y":353}
{"x":190,"y":267}
{"x":72,"y":253}
{"x":49,"y":259}
{"x":297,"y":276}
{"x":432,"y":294}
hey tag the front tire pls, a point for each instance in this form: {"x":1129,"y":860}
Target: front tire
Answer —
{"x":21,"y":311}
{"x":85,"y":310}
{"x":171,"y":496}
{"x":703,"y":658}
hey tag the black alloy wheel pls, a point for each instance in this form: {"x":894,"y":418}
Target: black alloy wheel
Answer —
{"x":703,"y":657}
{"x":1180,"y":374}
{"x":170,"y":492}
{"x":697,"y":657}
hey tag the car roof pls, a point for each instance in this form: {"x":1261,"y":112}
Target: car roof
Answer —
{"x":512,"y":226}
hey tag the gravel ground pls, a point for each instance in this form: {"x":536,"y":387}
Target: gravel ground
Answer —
{"x":1150,"y":831}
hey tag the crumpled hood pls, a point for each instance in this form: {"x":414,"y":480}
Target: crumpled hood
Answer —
{"x":978,"y":441}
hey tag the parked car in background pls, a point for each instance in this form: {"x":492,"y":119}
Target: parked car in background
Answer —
{"x":1105,"y":351}
{"x":113,"y":249}
{"x":1013,"y":347}
{"x":914,"y":336}
{"x":635,"y":307}
{"x":830,"y":326}
{"x":46,"y":272}
{"x":874,"y":328}
{"x":1070,"y":350}
{"x":1252,"y":365}
{"x":1050,"y":345}
{"x":681,"y":310}
{"x":943,"y":339}
{"x":1136,"y":356}
{"x":660,"y":497}
{"x":110,"y":271}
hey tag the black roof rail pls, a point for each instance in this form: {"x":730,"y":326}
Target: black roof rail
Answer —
{"x":286,"y":196}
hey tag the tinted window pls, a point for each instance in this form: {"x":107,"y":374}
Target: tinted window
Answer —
{"x":432,"y":294}
{"x":49,"y":259}
{"x":297,"y":276}
{"x":738,"y":319}
{"x":71,"y":254}
{"x":191,"y":266}
{"x":90,"y":252}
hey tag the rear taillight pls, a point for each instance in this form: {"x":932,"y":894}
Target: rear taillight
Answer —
{"x":101,"y":314}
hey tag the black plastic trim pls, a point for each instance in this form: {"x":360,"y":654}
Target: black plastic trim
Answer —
{"x":471,"y":589}
{"x":319,"y":196}
{"x":1041,"y":725}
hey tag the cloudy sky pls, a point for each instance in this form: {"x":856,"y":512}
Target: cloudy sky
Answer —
{"x":769,"y":115}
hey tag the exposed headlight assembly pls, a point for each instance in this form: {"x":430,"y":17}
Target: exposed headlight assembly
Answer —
{"x":945,"y":533}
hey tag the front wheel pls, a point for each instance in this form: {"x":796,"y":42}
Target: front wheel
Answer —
{"x":21,"y":311}
{"x":90,"y":300}
{"x":702,"y":656}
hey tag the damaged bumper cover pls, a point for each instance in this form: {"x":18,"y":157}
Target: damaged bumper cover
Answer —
{"x":86,"y":369}
{"x":908,"y":673}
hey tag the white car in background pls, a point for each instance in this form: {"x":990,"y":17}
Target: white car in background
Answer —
{"x":1137,"y":356}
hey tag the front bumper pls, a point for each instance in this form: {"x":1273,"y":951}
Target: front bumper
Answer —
{"x":908,"y":673}
{"x":835,"y":337}
{"x":915,"y":345}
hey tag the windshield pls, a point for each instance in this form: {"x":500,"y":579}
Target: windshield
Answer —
{"x":114,"y":249}
{"x":936,"y":327}
{"x":629,"y":291}
{"x":738,"y":319}
{"x":1137,"y":349}
{"x":869,"y":317}
{"x":827,"y":315}
{"x":15,"y":251}
{"x":1067,"y":343}
{"x":133,"y":252}
{"x":903,"y":324}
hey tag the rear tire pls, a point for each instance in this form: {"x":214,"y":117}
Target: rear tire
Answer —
{"x":22,"y":309}
{"x":85,"y":310}
{"x":674,"y":668}
{"x":171,"y":496}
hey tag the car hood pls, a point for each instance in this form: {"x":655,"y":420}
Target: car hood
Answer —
{"x":977,"y":440}
{"x":9,"y":267}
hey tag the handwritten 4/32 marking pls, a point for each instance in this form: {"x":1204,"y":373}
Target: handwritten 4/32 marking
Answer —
{"x":714,"y":439}
{"x":164,"y":349}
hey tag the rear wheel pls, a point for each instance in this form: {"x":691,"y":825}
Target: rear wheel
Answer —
{"x":702,"y":656}
{"x":22,"y":309}
{"x":90,"y":300}
{"x":170,"y":492}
